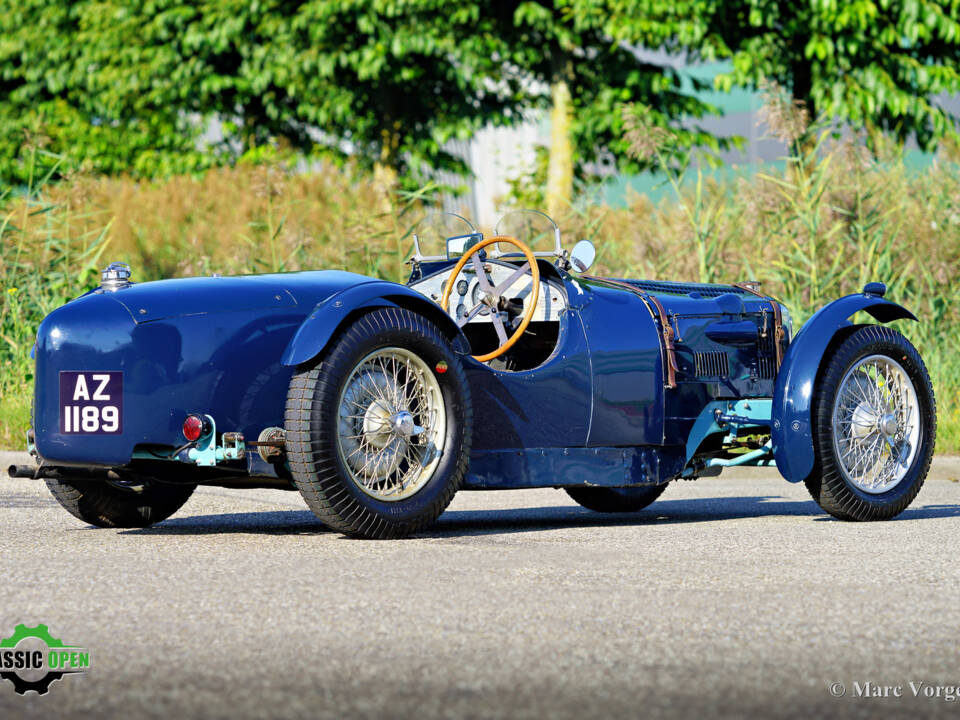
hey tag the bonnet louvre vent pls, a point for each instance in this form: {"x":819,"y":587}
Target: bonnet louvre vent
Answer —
{"x":766,"y":362}
{"x":766,"y":368}
{"x":711,"y":364}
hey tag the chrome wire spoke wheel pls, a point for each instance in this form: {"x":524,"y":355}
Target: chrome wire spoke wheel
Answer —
{"x":391,"y":424}
{"x":876,"y":424}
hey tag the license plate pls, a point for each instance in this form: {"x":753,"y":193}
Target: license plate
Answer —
{"x":91,"y":403}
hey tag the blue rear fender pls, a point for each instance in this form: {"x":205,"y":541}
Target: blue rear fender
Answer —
{"x":329,"y":316}
{"x":792,"y":431}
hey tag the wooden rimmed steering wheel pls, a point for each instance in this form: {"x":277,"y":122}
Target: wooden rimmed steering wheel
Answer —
{"x":492,"y":298}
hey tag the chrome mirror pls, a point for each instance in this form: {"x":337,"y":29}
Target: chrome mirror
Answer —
{"x":583,"y":255}
{"x":458,"y":245}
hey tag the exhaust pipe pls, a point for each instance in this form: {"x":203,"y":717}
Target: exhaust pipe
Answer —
{"x":39,"y":472}
{"x":23,"y":471}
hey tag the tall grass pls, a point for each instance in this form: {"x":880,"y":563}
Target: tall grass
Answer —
{"x":825,"y":224}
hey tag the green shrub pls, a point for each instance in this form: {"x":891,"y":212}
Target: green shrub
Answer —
{"x":824,"y":225}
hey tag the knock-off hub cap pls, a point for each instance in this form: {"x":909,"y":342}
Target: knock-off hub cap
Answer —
{"x":888,"y":425}
{"x":403,"y":425}
{"x":377,"y":424}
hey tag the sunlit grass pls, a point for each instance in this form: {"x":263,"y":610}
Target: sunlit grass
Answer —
{"x":820,"y":228}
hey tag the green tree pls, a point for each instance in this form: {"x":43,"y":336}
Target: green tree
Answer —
{"x":51,"y":97}
{"x":387,"y":83}
{"x":390,"y":82}
{"x":872,"y":64}
{"x":132,"y":86}
{"x":573,"y":66}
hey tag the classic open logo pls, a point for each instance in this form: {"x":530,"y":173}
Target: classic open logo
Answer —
{"x":32,"y":658}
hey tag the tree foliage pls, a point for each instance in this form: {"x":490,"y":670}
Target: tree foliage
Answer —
{"x":52,"y":95}
{"x":157,"y":86}
{"x":570,"y":40}
{"x":872,"y":64}
{"x":383,"y":81}
{"x":133,"y":85}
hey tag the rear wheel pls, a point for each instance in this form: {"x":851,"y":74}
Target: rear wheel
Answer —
{"x":614,"y":500}
{"x":874,"y":425}
{"x":378,"y":431}
{"x":120,"y":504}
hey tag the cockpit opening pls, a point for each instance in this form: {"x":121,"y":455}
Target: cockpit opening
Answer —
{"x":506,"y":292}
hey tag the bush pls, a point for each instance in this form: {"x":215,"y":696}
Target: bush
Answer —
{"x":824,"y":225}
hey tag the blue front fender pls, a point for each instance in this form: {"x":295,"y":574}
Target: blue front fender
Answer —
{"x":792,"y":430}
{"x":320,"y":326}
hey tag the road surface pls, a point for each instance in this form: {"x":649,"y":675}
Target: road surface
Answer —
{"x":729,"y":596}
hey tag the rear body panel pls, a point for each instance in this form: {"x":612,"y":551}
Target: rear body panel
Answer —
{"x":189,"y":351}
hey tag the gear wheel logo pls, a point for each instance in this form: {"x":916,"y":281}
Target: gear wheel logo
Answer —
{"x":32,"y":658}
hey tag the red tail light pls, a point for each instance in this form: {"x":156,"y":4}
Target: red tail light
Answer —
{"x":195,"y":427}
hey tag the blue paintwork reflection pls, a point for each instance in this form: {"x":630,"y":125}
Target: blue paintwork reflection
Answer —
{"x":627,"y":369}
{"x":548,"y":406}
{"x":205,"y":360}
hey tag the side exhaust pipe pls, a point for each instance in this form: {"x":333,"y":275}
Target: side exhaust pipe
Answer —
{"x":39,"y":472}
{"x":23,"y":471}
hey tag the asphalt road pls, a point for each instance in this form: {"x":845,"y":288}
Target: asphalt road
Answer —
{"x":729,"y":596}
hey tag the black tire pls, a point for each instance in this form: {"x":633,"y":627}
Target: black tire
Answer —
{"x":827,"y":483}
{"x":107,"y":505}
{"x":614,"y":500}
{"x":312,"y":411}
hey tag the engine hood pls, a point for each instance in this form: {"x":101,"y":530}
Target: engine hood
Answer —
{"x":183,"y":297}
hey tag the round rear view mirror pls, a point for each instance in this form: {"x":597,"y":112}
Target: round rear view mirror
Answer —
{"x":583,"y":255}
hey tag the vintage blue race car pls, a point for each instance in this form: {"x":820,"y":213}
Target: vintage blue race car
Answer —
{"x":495,"y":366}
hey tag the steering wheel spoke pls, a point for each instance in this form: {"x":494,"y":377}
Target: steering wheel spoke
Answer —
{"x":482,"y":278}
{"x":492,"y":297}
{"x":519,"y":273}
{"x":498,"y":325}
{"x":474,"y":311}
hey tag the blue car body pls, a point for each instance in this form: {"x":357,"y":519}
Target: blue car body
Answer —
{"x":597,"y":411}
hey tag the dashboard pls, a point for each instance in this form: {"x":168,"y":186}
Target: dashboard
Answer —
{"x":466,"y":292}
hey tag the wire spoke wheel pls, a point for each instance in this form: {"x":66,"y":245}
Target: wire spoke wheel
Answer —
{"x":379,"y":426}
{"x":876,"y":424}
{"x":391,"y":424}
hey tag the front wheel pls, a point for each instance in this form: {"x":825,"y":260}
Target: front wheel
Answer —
{"x":874,"y":425}
{"x":379,"y":430}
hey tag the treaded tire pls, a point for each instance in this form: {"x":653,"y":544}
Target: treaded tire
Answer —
{"x":99,"y":503}
{"x":614,"y":500}
{"x":826,"y":482}
{"x":311,"y":424}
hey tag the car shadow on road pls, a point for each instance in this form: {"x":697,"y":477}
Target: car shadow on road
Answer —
{"x":272,"y":522}
{"x":532,"y":519}
{"x":664,"y":512}
{"x":694,"y":510}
